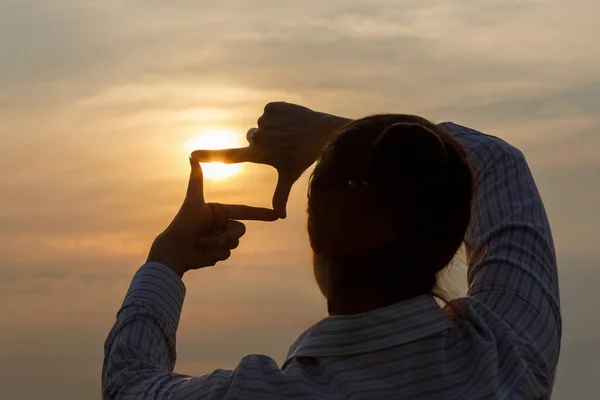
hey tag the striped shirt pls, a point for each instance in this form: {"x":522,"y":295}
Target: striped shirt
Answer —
{"x":501,"y":341}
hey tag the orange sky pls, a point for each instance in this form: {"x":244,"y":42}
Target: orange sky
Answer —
{"x":98,"y":103}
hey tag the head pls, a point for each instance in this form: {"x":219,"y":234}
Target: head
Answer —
{"x":389,"y":204}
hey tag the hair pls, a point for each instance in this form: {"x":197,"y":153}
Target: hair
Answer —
{"x":389,"y":203}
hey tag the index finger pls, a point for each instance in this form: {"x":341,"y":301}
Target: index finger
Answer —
{"x":248,"y":213}
{"x":228,"y":156}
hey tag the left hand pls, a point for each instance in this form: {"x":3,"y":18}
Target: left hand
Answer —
{"x":202,"y":234}
{"x":289,"y":138}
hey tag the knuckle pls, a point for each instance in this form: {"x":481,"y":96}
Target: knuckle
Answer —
{"x":242,"y":228}
{"x":261,"y":121}
{"x":269,"y":107}
{"x":224,"y":255}
{"x":207,"y":260}
{"x":250,"y":134}
{"x":219,"y":218}
{"x":274,"y":106}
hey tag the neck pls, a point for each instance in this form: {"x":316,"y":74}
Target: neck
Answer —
{"x":358,"y":304}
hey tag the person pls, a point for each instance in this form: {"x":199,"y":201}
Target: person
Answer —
{"x":390,"y":201}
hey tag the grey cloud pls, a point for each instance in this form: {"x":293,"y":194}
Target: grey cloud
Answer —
{"x":84,"y":47}
{"x":573,"y":100}
{"x":55,"y":40}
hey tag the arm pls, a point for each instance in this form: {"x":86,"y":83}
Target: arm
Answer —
{"x":140,"y":349}
{"x":510,"y":257}
{"x":139,"y":353}
{"x":512,"y":268}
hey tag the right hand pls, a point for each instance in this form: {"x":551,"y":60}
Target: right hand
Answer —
{"x":202,"y":233}
{"x":289,"y":138}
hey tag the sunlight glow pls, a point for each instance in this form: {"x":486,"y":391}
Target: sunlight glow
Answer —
{"x":214,"y":139}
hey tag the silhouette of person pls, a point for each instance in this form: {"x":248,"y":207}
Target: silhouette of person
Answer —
{"x":391,"y":200}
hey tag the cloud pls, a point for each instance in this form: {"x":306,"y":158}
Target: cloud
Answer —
{"x":367,"y":46}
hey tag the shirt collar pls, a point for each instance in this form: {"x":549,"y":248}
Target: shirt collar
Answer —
{"x":379,"y":329}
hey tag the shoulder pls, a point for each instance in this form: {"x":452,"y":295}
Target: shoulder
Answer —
{"x":482,"y":148}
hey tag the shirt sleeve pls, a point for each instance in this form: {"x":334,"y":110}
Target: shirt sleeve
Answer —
{"x":139,"y":353}
{"x":510,"y":252}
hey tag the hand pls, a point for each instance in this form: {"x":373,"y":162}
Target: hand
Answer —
{"x":202,"y":234}
{"x":289,"y":138}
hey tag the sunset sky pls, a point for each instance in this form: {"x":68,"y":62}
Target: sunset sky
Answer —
{"x":101,"y":102}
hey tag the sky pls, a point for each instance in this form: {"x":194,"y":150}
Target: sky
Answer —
{"x":99,"y":101}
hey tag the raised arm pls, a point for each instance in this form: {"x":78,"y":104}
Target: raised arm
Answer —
{"x":510,"y":256}
{"x":512,"y":267}
{"x":139,"y":353}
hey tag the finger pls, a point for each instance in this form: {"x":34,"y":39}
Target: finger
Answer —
{"x":275,"y":107}
{"x":227,"y":156}
{"x":265,"y":122}
{"x":282,"y":193}
{"x":232,"y":244}
{"x":218,"y":254}
{"x":248,"y":213}
{"x":250,"y":133}
{"x":219,"y":220}
{"x":195,"y":189}
{"x":204,"y":259}
{"x":234,"y":230}
{"x":218,"y":242}
{"x":209,"y":242}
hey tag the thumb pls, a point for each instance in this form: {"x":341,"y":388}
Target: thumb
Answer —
{"x":285,"y":181}
{"x":195,"y":190}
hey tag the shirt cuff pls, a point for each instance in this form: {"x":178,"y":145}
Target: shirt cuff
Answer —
{"x":156,"y":286}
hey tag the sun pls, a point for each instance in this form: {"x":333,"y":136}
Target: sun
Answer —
{"x":214,"y":139}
